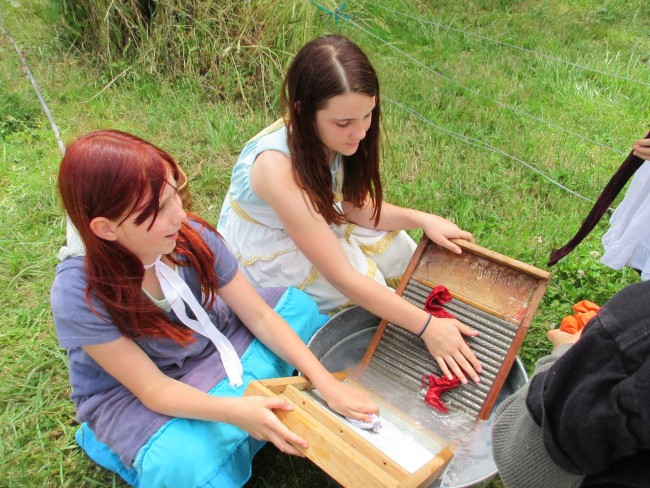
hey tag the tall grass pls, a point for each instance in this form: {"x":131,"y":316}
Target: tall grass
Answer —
{"x":200,"y":81}
{"x":236,"y":49}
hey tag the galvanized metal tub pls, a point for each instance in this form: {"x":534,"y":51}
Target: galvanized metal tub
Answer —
{"x":340,"y":345}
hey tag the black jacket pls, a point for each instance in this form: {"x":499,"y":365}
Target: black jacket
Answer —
{"x":593,"y":404}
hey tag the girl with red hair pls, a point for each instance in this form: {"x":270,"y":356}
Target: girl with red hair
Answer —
{"x":163,"y":332}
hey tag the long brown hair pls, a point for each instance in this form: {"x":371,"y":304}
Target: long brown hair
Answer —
{"x":110,"y":174}
{"x":326,"y":67}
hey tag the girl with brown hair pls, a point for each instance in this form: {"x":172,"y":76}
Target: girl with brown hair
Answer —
{"x":305,"y":205}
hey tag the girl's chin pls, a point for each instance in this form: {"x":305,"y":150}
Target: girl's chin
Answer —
{"x":169,"y":247}
{"x":350,"y":150}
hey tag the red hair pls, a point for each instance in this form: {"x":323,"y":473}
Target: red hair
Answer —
{"x":111,"y":174}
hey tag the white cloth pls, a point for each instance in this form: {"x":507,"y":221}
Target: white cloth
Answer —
{"x":627,"y":241}
{"x":374,"y":424}
{"x":176,"y":292}
{"x":74,"y":246}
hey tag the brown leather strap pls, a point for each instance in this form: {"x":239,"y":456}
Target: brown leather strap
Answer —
{"x":607,"y":196}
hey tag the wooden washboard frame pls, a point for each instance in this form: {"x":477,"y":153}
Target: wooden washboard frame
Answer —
{"x":491,"y":292}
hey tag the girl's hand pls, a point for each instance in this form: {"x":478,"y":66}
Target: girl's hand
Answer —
{"x":642,"y":149}
{"x":347,"y":400}
{"x":440,"y":230}
{"x":445,"y":343}
{"x":254,"y":414}
{"x":559,"y":337}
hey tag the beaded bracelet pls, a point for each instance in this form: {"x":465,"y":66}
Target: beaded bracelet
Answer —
{"x":426,"y":324}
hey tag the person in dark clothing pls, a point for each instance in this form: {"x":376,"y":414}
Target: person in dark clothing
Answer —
{"x":584,"y":418}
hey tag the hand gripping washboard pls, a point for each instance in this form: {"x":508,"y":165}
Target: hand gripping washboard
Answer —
{"x":492,"y":293}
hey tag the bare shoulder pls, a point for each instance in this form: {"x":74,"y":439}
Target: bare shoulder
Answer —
{"x":271,"y":174}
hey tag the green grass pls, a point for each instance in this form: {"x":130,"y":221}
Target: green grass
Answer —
{"x":203,"y":117}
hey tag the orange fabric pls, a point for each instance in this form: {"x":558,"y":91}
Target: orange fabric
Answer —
{"x":584,"y":312}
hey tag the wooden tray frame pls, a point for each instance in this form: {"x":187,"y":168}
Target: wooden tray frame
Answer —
{"x":335,"y":447}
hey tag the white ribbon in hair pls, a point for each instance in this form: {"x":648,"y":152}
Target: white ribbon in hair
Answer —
{"x":176,"y":292}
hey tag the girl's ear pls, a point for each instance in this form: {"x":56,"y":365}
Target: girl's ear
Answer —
{"x":104,"y":228}
{"x":296,"y":105}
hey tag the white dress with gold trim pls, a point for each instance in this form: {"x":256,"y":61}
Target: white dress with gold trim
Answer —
{"x":268,"y":256}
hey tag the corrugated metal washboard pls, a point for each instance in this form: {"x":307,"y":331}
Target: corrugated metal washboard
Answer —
{"x":492,"y":293}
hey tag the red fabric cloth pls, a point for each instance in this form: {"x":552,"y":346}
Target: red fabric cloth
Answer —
{"x":436,"y":387}
{"x":438,"y":297}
